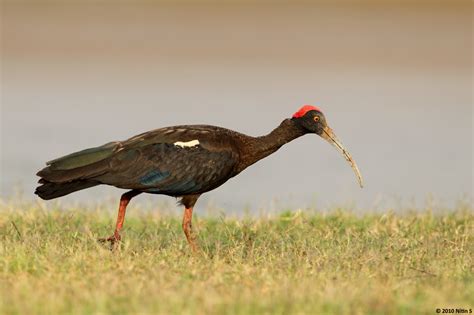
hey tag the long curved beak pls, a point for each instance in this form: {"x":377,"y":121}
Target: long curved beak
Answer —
{"x":330,"y":137}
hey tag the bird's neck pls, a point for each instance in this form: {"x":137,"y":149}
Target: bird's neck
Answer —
{"x":257,"y":148}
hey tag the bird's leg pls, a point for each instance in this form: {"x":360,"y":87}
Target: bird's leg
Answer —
{"x":124,"y":200}
{"x":188,"y":228}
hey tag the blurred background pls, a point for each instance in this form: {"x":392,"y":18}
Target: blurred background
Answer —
{"x":394,"y":80}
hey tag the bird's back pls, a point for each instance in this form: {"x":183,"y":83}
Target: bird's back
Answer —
{"x":175,"y":161}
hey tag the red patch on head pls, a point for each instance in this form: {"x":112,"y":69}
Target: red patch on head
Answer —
{"x":303,"y":110}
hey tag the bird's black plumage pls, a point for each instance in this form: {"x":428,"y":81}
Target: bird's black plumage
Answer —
{"x":152,"y":162}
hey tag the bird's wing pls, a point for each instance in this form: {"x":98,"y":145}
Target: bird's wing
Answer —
{"x":174,"y":161}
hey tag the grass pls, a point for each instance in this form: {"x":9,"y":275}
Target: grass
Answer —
{"x":293,"y":263}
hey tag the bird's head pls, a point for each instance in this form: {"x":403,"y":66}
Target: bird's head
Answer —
{"x":312,"y":120}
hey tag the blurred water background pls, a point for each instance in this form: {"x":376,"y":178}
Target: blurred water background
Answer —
{"x":394,"y":80}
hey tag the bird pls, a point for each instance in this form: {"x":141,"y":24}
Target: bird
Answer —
{"x":183,"y":161}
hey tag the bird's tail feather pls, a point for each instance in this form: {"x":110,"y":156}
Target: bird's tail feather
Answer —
{"x":75,"y":171}
{"x":50,"y":190}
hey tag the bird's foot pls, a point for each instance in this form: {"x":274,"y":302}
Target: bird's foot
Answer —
{"x":114,"y":240}
{"x":192,"y":242}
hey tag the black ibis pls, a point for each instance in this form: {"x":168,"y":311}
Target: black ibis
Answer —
{"x":180,"y":161}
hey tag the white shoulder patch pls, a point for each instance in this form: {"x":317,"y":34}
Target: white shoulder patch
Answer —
{"x":191,"y":143}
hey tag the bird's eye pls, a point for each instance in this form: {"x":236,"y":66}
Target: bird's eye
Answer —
{"x":316,"y":118}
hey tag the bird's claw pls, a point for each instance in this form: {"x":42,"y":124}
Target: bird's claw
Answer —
{"x":114,"y":240}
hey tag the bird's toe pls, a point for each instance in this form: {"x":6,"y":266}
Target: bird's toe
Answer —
{"x":114,"y":240}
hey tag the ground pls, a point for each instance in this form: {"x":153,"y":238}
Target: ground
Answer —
{"x":298,"y":262}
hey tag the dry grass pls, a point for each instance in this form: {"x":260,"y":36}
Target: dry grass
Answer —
{"x":296,"y":263}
